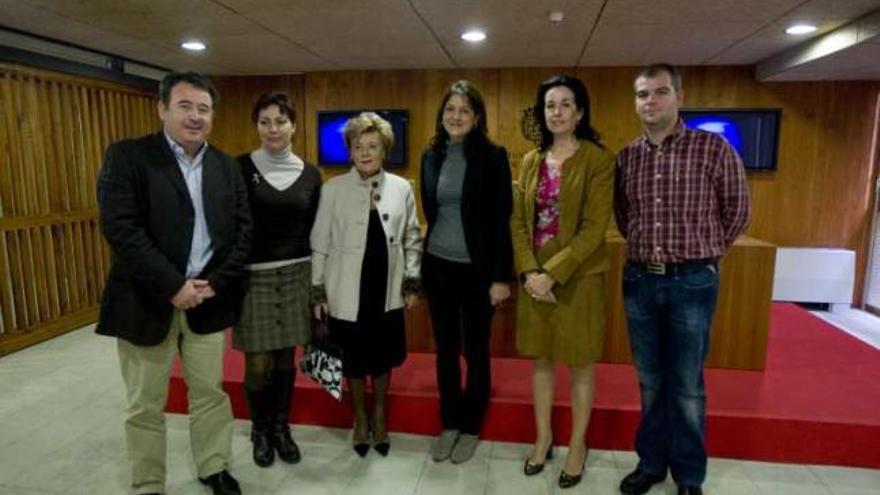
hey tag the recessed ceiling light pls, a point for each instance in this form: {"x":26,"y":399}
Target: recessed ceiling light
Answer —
{"x":195,"y":46}
{"x":474,"y":36}
{"x":801,"y":29}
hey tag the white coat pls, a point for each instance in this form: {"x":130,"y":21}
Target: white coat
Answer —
{"x":339,"y":238}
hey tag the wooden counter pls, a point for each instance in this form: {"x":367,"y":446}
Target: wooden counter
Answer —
{"x":739,"y":332}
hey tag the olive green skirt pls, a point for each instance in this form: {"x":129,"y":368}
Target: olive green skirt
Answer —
{"x":572,"y":330}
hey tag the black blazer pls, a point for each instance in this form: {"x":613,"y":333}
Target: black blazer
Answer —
{"x":486,"y":205}
{"x":148,"y":218}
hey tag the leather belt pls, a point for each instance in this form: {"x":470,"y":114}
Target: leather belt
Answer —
{"x":676,"y":268}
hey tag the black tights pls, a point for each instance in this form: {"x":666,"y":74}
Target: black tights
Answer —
{"x":358,"y":386}
{"x":258,"y":367}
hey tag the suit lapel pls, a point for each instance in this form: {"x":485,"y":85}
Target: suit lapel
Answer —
{"x":573,"y":174}
{"x":432,"y":173}
{"x":530,"y":189}
{"x":211,"y":188}
{"x":471,"y":183}
{"x":167,"y":164}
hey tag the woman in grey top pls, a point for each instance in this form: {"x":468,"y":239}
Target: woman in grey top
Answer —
{"x":467,"y":268}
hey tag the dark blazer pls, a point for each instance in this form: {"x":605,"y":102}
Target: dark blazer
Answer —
{"x":148,"y":217}
{"x":486,"y":204}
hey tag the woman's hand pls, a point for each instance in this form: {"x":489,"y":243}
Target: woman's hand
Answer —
{"x":498,"y":293}
{"x":539,"y":286}
{"x":320,"y":311}
{"x":411,"y":300}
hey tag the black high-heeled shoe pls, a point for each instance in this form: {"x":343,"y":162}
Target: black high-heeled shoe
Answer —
{"x":383,"y":445}
{"x":361,"y":448}
{"x":569,"y":480}
{"x":530,"y":468}
{"x":382,"y":448}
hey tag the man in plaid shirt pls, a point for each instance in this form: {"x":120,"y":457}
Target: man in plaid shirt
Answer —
{"x":680,"y":201}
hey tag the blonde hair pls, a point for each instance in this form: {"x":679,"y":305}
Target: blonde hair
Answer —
{"x":367,"y":122}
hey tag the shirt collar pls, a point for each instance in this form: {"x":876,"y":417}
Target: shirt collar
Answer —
{"x":180,"y":153}
{"x":373,"y":182}
{"x":678,"y":132}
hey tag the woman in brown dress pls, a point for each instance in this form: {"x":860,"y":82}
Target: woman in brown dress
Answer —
{"x":562,"y":205}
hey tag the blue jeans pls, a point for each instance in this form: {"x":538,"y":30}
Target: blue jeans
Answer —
{"x":669,"y":317}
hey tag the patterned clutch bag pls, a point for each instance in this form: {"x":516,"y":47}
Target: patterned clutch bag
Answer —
{"x":322,"y":362}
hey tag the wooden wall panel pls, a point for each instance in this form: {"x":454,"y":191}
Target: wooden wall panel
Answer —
{"x":419,"y":92}
{"x":818,"y":197}
{"x":54,"y":128}
{"x":53,"y":259}
{"x":233,"y":130}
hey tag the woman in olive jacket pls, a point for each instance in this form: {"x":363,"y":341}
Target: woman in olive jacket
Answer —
{"x":561,"y":210}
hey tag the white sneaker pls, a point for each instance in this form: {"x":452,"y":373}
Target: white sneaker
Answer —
{"x":464,"y":448}
{"x":444,"y":444}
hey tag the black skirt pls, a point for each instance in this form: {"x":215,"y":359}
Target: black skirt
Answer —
{"x":376,"y":342}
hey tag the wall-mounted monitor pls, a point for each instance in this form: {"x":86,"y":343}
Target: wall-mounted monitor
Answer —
{"x":331,"y":143}
{"x":753,"y":133}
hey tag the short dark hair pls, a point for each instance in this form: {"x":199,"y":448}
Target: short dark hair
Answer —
{"x":469,"y":92}
{"x":583,"y":130}
{"x":655,"y":70}
{"x":194,"y":78}
{"x":269,"y":98}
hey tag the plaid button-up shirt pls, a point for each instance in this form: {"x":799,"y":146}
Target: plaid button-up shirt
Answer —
{"x":685,"y":199}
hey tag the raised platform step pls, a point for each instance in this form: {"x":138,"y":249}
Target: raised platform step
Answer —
{"x":818,"y":401}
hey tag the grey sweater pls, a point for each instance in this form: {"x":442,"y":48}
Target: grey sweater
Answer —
{"x":447,"y":235}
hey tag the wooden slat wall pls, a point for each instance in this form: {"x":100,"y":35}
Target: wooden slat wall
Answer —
{"x":53,"y":259}
{"x":53,"y":129}
{"x":818,"y":197}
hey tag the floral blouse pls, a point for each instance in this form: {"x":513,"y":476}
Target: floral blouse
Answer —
{"x":547,"y":205}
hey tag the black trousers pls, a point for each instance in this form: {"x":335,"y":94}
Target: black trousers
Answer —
{"x":461,"y":315}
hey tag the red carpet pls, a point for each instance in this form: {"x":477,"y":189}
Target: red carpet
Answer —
{"x":817,"y":402}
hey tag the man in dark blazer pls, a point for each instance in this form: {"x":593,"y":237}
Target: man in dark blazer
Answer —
{"x":175,"y":213}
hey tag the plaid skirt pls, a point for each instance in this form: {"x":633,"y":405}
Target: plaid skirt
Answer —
{"x":276,"y":313}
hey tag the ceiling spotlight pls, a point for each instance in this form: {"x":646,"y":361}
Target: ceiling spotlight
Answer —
{"x":473,"y":36}
{"x":801,"y":29}
{"x":195,"y":46}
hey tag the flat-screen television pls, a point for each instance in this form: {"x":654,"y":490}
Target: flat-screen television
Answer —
{"x":753,"y":133}
{"x":331,"y":143}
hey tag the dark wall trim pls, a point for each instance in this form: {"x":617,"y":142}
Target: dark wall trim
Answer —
{"x":24,"y":57}
{"x":79,"y":47}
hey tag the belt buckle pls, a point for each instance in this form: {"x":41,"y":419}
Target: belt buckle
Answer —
{"x":656,"y":268}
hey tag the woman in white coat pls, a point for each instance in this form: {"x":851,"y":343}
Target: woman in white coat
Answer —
{"x":366,"y":251}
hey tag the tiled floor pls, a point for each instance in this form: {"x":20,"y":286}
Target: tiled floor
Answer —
{"x":61,"y":432}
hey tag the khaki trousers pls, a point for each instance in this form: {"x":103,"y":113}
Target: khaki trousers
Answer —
{"x":145,"y":371}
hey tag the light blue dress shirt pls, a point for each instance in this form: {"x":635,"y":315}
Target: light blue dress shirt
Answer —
{"x":201,"y":248}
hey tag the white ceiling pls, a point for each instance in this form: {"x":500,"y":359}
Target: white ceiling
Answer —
{"x":277,"y":36}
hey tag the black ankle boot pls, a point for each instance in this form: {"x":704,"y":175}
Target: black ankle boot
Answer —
{"x":261,"y":427}
{"x":282,"y":391}
{"x":288,"y":450}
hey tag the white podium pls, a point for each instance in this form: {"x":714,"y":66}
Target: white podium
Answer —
{"x":814,"y":275}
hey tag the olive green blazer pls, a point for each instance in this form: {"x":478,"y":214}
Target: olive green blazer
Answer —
{"x":585,"y":201}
